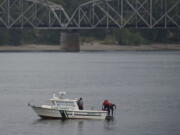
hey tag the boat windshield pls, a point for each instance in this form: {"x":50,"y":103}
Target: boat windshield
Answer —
{"x":65,"y":103}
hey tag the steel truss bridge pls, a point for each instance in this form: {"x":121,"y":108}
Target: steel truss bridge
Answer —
{"x":43,"y":14}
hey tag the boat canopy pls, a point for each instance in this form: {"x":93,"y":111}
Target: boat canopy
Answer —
{"x":65,"y":103}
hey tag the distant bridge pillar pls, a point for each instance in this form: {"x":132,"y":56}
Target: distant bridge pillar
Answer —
{"x":70,"y":41}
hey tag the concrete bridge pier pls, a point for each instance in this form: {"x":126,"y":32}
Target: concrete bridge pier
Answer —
{"x":69,"y":41}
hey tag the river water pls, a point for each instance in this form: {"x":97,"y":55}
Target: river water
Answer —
{"x":145,"y":86}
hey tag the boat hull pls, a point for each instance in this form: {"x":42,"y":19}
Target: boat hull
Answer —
{"x":53,"y":113}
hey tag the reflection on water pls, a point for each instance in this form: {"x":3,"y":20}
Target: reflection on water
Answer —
{"x":77,"y":127}
{"x":143,"y":85}
{"x":109,"y":124}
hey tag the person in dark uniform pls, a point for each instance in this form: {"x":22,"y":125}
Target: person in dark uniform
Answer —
{"x":80,"y":103}
{"x":111,"y":108}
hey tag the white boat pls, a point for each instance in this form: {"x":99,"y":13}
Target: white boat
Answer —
{"x":63,"y":108}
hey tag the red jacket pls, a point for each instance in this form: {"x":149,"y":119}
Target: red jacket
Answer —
{"x":106,"y":102}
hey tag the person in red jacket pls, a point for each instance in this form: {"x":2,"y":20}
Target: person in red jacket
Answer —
{"x":109,"y":107}
{"x":106,"y":106}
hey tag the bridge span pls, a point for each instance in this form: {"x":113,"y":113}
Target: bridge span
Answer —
{"x":93,"y":14}
{"x":43,"y":14}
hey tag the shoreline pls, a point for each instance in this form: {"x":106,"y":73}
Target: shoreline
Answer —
{"x":91,"y":47}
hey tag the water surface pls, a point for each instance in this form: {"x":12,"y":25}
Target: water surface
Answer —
{"x":143,"y":85}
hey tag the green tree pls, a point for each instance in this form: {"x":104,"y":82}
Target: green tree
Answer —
{"x":127,"y":37}
{"x":48,"y":36}
{"x":14,"y":37}
{"x":29,"y":36}
{"x":3,"y":35}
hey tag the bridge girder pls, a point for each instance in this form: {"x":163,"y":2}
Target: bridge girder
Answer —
{"x":42,"y":14}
